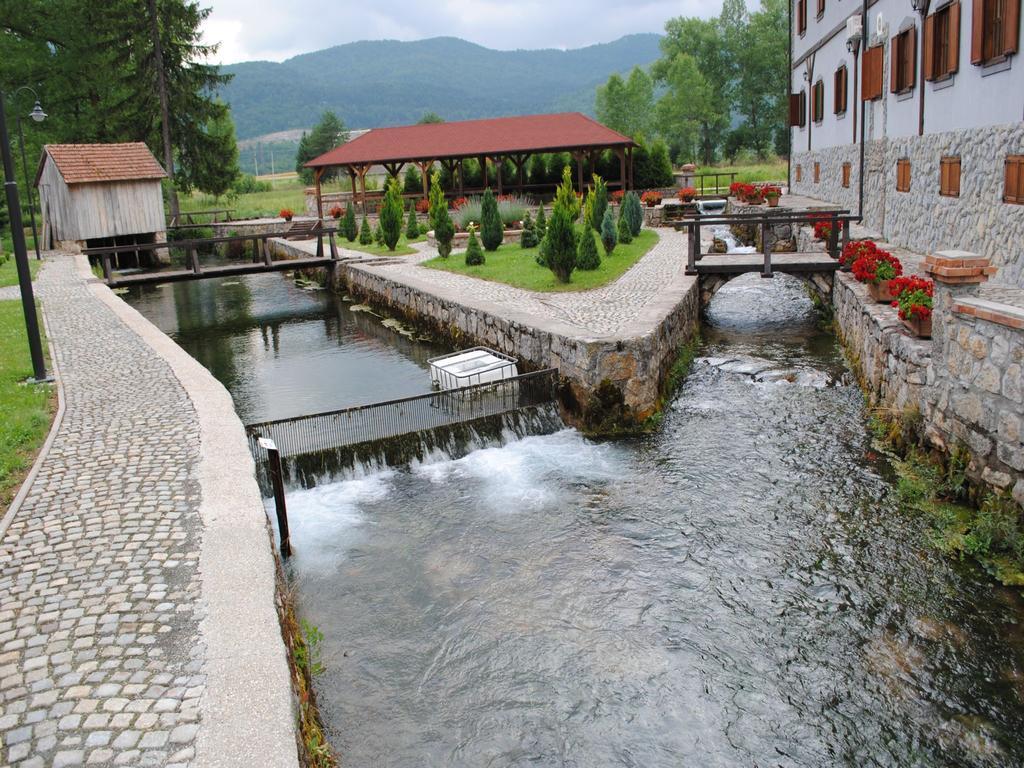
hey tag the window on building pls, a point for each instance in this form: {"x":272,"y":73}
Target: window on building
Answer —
{"x":1014,"y":192}
{"x":821,"y":8}
{"x":871,"y":74}
{"x":840,"y":86}
{"x":903,"y":175}
{"x":817,"y":172}
{"x":801,"y":17}
{"x":949,"y":177}
{"x":798,"y":109}
{"x":818,"y":101}
{"x":995,"y":30}
{"x":846,"y":174}
{"x":942,"y":42}
{"x":902,"y":60}
{"x":799,"y":172}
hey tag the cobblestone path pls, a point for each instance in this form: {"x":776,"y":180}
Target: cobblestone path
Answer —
{"x":100,"y":654}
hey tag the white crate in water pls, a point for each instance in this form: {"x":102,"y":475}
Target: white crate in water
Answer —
{"x":478,"y":365}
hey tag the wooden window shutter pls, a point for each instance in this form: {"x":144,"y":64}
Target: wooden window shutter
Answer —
{"x":814,"y":106}
{"x":803,"y":108}
{"x":953,"y":62}
{"x":871,"y":73}
{"x":978,"y":31}
{"x":911,"y":59}
{"x":794,"y":109}
{"x":1014,"y":191}
{"x":894,"y":67}
{"x":929,"y":48}
{"x":1011,"y":26}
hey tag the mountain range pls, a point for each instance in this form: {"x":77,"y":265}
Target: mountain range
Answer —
{"x":387,"y":82}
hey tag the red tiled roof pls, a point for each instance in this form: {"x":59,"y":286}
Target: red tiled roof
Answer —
{"x":470,"y":138}
{"x":84,"y":163}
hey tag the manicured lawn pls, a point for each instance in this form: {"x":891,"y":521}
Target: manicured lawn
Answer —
{"x":517,"y":266}
{"x":286,"y":193}
{"x":27,"y":409}
{"x":402,"y":249}
{"x":770,"y":171}
{"x":8,"y":269}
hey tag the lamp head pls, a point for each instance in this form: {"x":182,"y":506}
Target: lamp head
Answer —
{"x":917,"y":5}
{"x":37,"y":113}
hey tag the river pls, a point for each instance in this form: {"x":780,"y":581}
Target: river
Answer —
{"x":738,"y":588}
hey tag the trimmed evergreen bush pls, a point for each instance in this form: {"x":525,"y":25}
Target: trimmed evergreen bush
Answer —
{"x":633,"y":212}
{"x":609,"y":237}
{"x":565,"y":196}
{"x":587,"y":256}
{"x":378,"y":235}
{"x":600,"y":204}
{"x":491,"y":230}
{"x":559,"y":245}
{"x":541,"y":224}
{"x":529,"y":237}
{"x":474,"y":254}
{"x":412,"y":184}
{"x":624,"y":232}
{"x":348,"y":224}
{"x":412,"y":227}
{"x":365,"y":233}
{"x":391,"y":211}
{"x":440,"y":221}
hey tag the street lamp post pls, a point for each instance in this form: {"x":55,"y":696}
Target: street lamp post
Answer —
{"x":28,"y":302}
{"x":38,"y":116}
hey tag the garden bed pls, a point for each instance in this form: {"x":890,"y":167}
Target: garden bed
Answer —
{"x":517,"y":266}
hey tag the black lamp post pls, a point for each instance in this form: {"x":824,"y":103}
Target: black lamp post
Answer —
{"x":28,"y":302}
{"x":38,"y":116}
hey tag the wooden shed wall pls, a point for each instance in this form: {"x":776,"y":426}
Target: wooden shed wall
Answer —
{"x":107,"y":209}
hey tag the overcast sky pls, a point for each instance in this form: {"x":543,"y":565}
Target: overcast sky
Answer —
{"x":273,"y":30}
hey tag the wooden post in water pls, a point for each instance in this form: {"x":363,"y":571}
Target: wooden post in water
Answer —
{"x":277,"y":480}
{"x":766,"y":248}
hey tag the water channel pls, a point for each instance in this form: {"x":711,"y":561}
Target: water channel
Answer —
{"x":739,"y":588}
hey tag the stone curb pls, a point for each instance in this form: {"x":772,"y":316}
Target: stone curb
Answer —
{"x":248,"y":713}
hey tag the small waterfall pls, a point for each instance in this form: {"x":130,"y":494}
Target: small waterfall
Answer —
{"x":732,"y":245}
{"x":451,"y":441}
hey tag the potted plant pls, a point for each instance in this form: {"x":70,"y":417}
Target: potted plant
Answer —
{"x":771,"y":194}
{"x":822,"y":228}
{"x":336,"y":212}
{"x":286,"y":214}
{"x":686,"y":194}
{"x":616,"y":196}
{"x":651,"y":198}
{"x":913,"y":301}
{"x":876,"y":269}
{"x":853,"y":250}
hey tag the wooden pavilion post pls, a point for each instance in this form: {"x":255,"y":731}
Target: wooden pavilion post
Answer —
{"x":462,"y":179}
{"x":621,"y":154}
{"x":520,"y":163}
{"x":362,"y":171}
{"x":498,"y":163}
{"x":578,"y":157}
{"x":317,"y":174}
{"x":629,"y":151}
{"x":352,"y":178}
{"x":425,"y":166}
{"x":483,"y":170}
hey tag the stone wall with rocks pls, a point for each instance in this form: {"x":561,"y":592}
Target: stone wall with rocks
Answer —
{"x":635,"y":365}
{"x":921,"y":219}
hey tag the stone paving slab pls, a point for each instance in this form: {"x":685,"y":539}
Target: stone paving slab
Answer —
{"x":107,"y":616}
{"x":601,"y":312}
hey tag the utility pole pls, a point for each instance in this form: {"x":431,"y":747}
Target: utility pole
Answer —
{"x":165,"y":109}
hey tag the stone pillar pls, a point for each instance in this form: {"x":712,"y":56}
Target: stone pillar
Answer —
{"x":957,"y":275}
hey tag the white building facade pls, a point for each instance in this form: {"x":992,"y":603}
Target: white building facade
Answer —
{"x":914,"y":117}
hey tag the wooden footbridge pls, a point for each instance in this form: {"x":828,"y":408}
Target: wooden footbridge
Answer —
{"x":254,"y":256}
{"x":768,"y":260}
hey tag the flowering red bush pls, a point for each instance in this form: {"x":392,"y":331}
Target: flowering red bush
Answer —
{"x":617,"y":195}
{"x":736,"y":187}
{"x":651,"y":197}
{"x":336,"y":212}
{"x":913,"y":297}
{"x":458,"y":202}
{"x":286,"y":214}
{"x":854,"y":249}
{"x":748,"y":193}
{"x":877,"y":267}
{"x":687,"y":193}
{"x":770,"y":190}
{"x":423,"y":205}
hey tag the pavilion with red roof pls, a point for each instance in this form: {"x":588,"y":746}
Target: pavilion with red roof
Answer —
{"x":490,"y":140}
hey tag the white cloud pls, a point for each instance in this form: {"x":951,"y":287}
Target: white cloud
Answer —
{"x":260,"y":29}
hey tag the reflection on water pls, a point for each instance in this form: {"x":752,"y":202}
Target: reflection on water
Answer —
{"x":738,"y":589}
{"x":283,"y":351}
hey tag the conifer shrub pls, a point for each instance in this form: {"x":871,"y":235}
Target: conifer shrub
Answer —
{"x":565,"y":196}
{"x":559,"y":244}
{"x":348,"y":224}
{"x":600,"y":194}
{"x":365,"y":233}
{"x":491,"y":229}
{"x":378,"y":235}
{"x":440,"y":220}
{"x":541,"y":225}
{"x":529,"y":237}
{"x":587,"y":256}
{"x":624,"y":232}
{"x":391,"y":210}
{"x":474,"y":254}
{"x":633,"y":212}
{"x":609,"y":237}
{"x":412,"y":227}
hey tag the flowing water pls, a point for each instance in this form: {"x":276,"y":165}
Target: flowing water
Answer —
{"x":738,"y":589}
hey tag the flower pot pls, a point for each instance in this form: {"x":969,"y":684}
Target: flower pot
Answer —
{"x":920,"y":328}
{"x":880,"y":292}
{"x":773,"y":202}
{"x":287,"y":218}
{"x":651,"y":204}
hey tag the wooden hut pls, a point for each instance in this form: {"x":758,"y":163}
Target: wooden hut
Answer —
{"x":93,"y":195}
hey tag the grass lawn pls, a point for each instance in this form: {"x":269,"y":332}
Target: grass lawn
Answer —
{"x":402,"y":249}
{"x":8,"y":269}
{"x":770,"y":171}
{"x":515,"y":265}
{"x":27,"y":409}
{"x":288,"y":192}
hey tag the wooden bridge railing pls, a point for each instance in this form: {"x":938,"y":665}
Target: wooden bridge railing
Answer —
{"x":188,"y":218}
{"x":697,"y":181}
{"x":194,"y":248}
{"x":839,"y":234}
